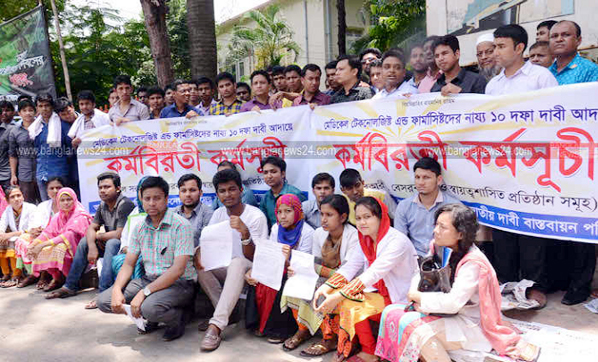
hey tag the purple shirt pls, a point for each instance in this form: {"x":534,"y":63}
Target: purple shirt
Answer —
{"x":319,"y":98}
{"x":254,"y":102}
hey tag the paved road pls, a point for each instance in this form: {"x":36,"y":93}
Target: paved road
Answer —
{"x":34,"y":329}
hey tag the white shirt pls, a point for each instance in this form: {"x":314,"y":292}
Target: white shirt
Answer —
{"x":252,"y":217}
{"x":99,"y":119}
{"x":349,"y":242}
{"x":528,"y":78}
{"x":43,"y":214}
{"x":396,"y":264}
{"x":399,"y":92}
{"x":305,"y":242}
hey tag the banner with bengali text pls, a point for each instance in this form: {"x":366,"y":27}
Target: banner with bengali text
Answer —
{"x":524,"y":162}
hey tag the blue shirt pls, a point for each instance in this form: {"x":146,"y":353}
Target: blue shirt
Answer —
{"x":53,"y":161}
{"x":268,"y":204}
{"x":172,"y":112}
{"x":414,"y":220}
{"x":579,"y":70}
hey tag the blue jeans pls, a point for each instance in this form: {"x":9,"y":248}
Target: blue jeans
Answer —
{"x":80,"y":264}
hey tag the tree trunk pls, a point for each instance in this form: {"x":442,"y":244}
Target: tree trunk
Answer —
{"x":202,"y":38}
{"x":342,"y":27}
{"x":154,"y":12}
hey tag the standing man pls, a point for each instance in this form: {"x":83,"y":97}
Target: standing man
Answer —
{"x":112,"y":215}
{"x":539,"y":54}
{"x":332,"y":85}
{"x":519,"y":256}
{"x":21,"y":151}
{"x":275,"y":171}
{"x":229,"y":103}
{"x":433,"y":73}
{"x":419,"y":65}
{"x":260,"y":87}
{"x":322,"y":186}
{"x":543,"y":30}
{"x":142,"y":95}
{"x":194,"y":99}
{"x":50,"y":147}
{"x":243,"y":92}
{"x":454,"y":79}
{"x":5,"y":128}
{"x":224,"y":285}
{"x":126,"y":109}
{"x":393,"y":73}
{"x":168,"y":95}
{"x":485,"y":54}
{"x":570,"y":67}
{"x":375,"y":74}
{"x":205,"y":88}
{"x":7,"y":112}
{"x":180,"y":107}
{"x":164,"y":241}
{"x":65,"y":110}
{"x":197,"y":213}
{"x":155,"y":97}
{"x":89,"y":118}
{"x":278,"y":79}
{"x":348,"y":73}
{"x":367,"y":57}
{"x":310,"y":78}
{"x":292,"y":74}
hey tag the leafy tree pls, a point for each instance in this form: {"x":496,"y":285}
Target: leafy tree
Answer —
{"x":176,"y":20}
{"x":270,"y":41}
{"x":393,"y":22}
{"x":13,"y":8}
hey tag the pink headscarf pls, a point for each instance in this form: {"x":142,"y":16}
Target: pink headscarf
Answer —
{"x":75,"y":220}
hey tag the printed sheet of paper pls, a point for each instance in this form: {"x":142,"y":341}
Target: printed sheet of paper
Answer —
{"x":268,"y":264}
{"x":302,"y":284}
{"x":139,"y":322}
{"x":216,"y":243}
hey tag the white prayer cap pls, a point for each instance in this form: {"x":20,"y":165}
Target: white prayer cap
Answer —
{"x":484,"y":38}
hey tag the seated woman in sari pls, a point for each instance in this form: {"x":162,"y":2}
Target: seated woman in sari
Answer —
{"x":407,"y":336}
{"x":54,"y":249}
{"x":263,"y":303}
{"x":389,"y":260}
{"x":331,"y":246}
{"x":43,"y":213}
{"x":15,"y":220}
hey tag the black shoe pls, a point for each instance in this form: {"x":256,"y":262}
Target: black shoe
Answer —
{"x":174,"y":332}
{"x":203,"y":326}
{"x":573,"y":297}
{"x":149,"y":328}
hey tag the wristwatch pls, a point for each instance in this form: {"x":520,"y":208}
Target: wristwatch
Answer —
{"x":147,"y":291}
{"x":246,"y":241}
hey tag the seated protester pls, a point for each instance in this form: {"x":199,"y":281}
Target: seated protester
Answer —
{"x":224,"y":285}
{"x":353,"y":187}
{"x":414,"y":216}
{"x":322,"y":186}
{"x":348,"y":73}
{"x":53,"y":251}
{"x":112,"y":215}
{"x":248,"y":197}
{"x":243,"y":92}
{"x":331,"y":246}
{"x":275,"y":170}
{"x":181,"y":106}
{"x":126,"y":109}
{"x":386,"y":261}
{"x":454,"y":79}
{"x":393,"y":75}
{"x":230,"y":102}
{"x":156,"y":101}
{"x":263,"y":312}
{"x":260,"y":87}
{"x":43,"y":213}
{"x":197,"y":213}
{"x":89,"y":118}
{"x":164,"y":241}
{"x":21,"y":152}
{"x":16,"y":219}
{"x":375,"y":75}
{"x":474,"y":293}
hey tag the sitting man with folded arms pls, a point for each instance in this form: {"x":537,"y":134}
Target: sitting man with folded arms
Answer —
{"x":112,"y":214}
{"x":322,"y":186}
{"x":414,"y":216}
{"x":224,"y":285}
{"x":164,"y":241}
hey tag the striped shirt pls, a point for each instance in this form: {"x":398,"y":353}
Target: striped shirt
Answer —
{"x":158,"y":247}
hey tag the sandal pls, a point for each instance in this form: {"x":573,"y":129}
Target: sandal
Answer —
{"x":258,"y":333}
{"x":31,"y":279}
{"x":319,"y":348}
{"x":276,"y":339}
{"x":338,"y":357}
{"x":9,"y":284}
{"x":296,"y":340}
{"x":61,"y":293}
{"x":93,"y":304}
{"x":54,"y":284}
{"x":5,"y":278}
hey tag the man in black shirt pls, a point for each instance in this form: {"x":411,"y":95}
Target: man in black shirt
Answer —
{"x":454,"y":79}
{"x":348,"y":73}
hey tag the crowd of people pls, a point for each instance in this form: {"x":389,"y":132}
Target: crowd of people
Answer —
{"x":367,"y":248}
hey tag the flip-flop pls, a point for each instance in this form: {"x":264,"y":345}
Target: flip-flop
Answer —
{"x":320,"y":349}
{"x":93,"y":304}
{"x":61,"y":293}
{"x":9,"y":284}
{"x":296,"y":341}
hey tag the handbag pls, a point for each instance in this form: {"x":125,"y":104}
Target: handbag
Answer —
{"x":435,"y":272}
